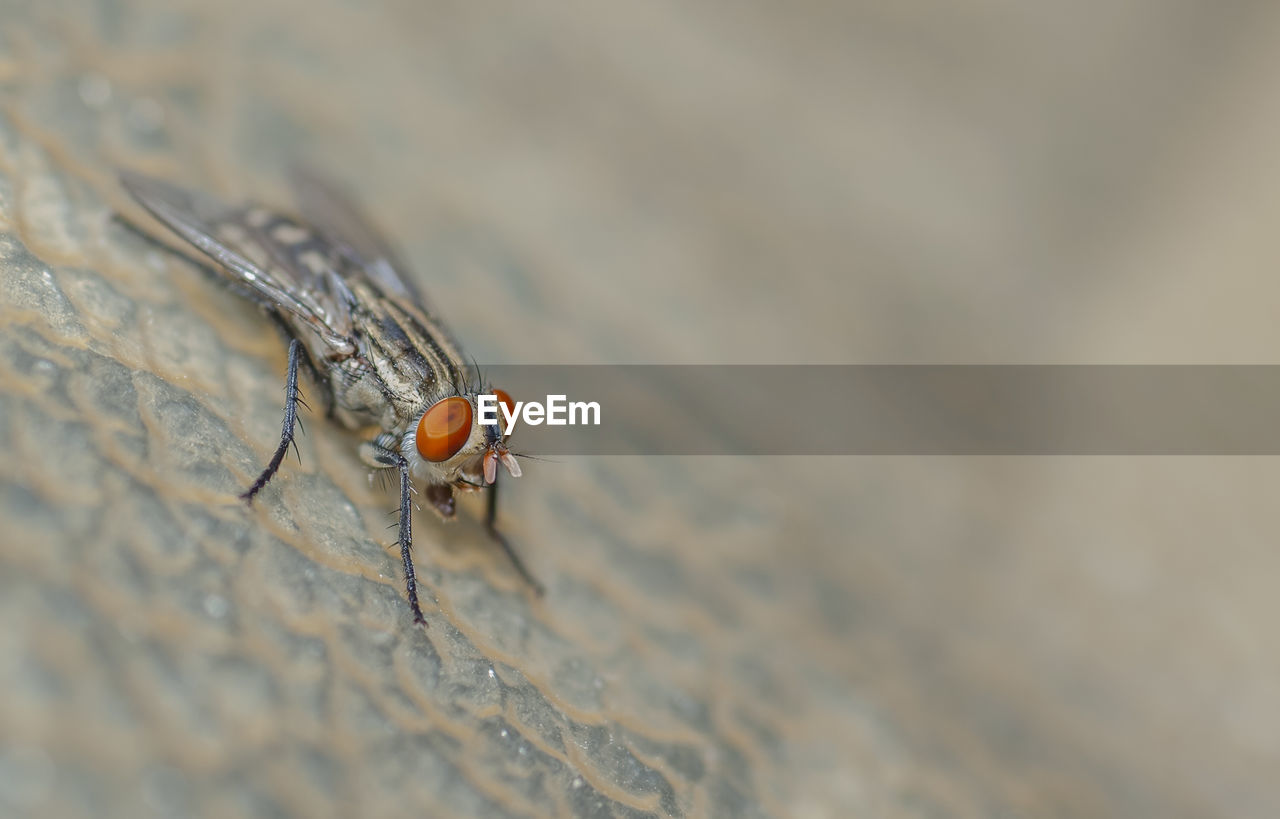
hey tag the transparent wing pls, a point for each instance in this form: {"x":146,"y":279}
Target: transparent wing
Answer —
{"x":315,"y":299}
{"x":332,"y":212}
{"x":326,"y":206}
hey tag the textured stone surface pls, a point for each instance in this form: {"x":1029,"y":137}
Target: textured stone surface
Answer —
{"x":662,"y":183}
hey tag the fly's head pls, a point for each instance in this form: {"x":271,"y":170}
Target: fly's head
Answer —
{"x":449,"y":444}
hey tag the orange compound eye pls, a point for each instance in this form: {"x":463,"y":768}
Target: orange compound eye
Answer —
{"x":506,"y":400}
{"x":444,"y":429}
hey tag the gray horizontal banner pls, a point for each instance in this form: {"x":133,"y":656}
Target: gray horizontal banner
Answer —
{"x":901,"y":410}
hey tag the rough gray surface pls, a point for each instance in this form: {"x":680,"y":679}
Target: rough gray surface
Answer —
{"x":661,"y":183}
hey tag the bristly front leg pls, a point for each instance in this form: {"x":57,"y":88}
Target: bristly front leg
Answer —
{"x":491,"y":526}
{"x":406,"y":538}
{"x":290,"y":419}
{"x":376,"y":453}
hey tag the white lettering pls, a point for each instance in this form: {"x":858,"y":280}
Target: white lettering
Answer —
{"x":511,"y":416}
{"x":584,"y":406}
{"x":555,"y":404}
{"x":558,"y":411}
{"x":488,"y":405}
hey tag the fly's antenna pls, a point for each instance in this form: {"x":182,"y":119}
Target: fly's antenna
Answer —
{"x":528,"y":457}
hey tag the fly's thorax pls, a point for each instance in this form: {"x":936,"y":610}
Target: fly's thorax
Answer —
{"x":358,"y":398}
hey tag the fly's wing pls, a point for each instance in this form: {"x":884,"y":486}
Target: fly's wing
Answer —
{"x":419,"y":337}
{"x":311,"y":298}
{"x":326,"y":206}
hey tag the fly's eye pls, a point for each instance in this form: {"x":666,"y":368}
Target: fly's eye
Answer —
{"x":444,"y":429}
{"x":504,"y":398}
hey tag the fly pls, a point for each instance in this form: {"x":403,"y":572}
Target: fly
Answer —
{"x":380,"y":356}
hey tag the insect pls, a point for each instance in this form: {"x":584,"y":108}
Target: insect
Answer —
{"x":380,"y":356}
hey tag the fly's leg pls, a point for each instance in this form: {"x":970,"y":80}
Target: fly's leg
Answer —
{"x":377,"y":454}
{"x":406,"y":539}
{"x":290,"y":419}
{"x":491,"y":526}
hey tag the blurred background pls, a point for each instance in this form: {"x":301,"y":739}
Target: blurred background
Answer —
{"x":663,"y":182}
